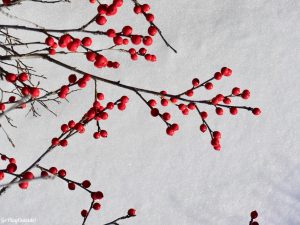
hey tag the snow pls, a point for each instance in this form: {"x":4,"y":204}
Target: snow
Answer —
{"x":178,"y":180}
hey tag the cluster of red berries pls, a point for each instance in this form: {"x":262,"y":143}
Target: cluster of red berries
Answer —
{"x":166,"y":116}
{"x":96,"y":196}
{"x":142,"y":52}
{"x":19,"y":81}
{"x":253,"y":216}
{"x":166,"y":99}
{"x":97,"y":112}
{"x":11,"y":168}
{"x":100,"y":60}
{"x":66,"y":40}
{"x":107,"y":10}
{"x":144,"y":9}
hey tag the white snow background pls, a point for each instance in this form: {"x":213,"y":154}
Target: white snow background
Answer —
{"x":176,"y":180}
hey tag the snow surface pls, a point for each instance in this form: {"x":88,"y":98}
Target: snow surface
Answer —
{"x":178,"y":180}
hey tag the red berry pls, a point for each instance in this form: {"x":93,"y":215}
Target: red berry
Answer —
{"x":10,"y":77}
{"x":64,"y":40}
{"x":254,"y":214}
{"x":132,"y":51}
{"x":204,"y":115}
{"x":195,"y":82}
{"x":256,"y":111}
{"x":121,"y":106}
{"x":219,"y":111}
{"x":103,"y":133}
{"x":191,"y":106}
{"x":136,"y":39}
{"x":147,"y":40}
{"x":173,"y":99}
{"x":2,"y":106}
{"x":145,"y":7}
{"x":81,"y":83}
{"x":166,"y":116}
{"x":71,"y":124}
{"x":235,"y":91}
{"x":12,"y":99}
{"x":86,"y":184}
{"x":87,"y":41}
{"x":189,"y":93}
{"x":111,"y":33}
{"x":218,"y":76}
{"x":53,"y":170}
{"x":220,"y":97}
{"x":137,"y":9}
{"x":164,"y":102}
{"x":11,"y":168}
{"x":63,"y":143}
{"x":226,"y":100}
{"x":185,"y":111}
{"x":118,"y":40}
{"x":23,"y":77}
{"x":245,"y":94}
{"x":217,"y":147}
{"x":233,"y":110}
{"x":131,"y":212}
{"x":111,"y":10}
{"x":35,"y":92}
{"x":72,"y":78}
{"x":226,"y":71}
{"x":110,"y":105}
{"x":55,"y":141}
{"x":1,"y":175}
{"x":25,"y":91}
{"x":254,"y":223}
{"x":84,"y":213}
{"x":12,"y":160}
{"x":49,"y":41}
{"x":127,"y":30}
{"x":102,"y":8}
{"x":181,"y":106}
{"x":71,"y":186}
{"x":150,"y":17}
{"x":62,"y":173}
{"x":124,"y":99}
{"x":217,"y":134}
{"x":152,"y":102}
{"x":97,"y":135}
{"x":118,"y":3}
{"x":170,"y":131}
{"x":52,"y":51}
{"x":101,"y":20}
{"x":134,"y":57}
{"x":152,"y":30}
{"x":209,"y":86}
{"x":100,"y":96}
{"x":28,"y":175}
{"x":203,"y":128}
{"x":44,"y":174}
{"x":96,"y":206}
{"x":23,"y":185}
{"x":175,"y":126}
{"x":154,"y":112}
{"x":143,"y":51}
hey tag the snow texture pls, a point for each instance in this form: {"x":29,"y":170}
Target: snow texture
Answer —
{"x":178,"y":180}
